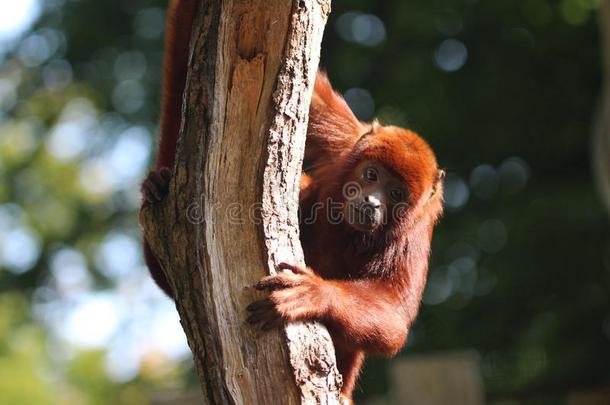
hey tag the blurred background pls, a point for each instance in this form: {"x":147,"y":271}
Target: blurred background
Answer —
{"x":517,"y":305}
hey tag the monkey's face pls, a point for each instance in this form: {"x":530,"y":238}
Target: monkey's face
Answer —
{"x":372,"y":196}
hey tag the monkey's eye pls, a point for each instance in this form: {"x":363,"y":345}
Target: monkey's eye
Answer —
{"x":397,"y":195}
{"x":370,"y":174}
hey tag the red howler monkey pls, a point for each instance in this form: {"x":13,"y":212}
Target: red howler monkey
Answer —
{"x":370,"y":196}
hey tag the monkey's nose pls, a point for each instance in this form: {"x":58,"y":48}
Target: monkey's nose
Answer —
{"x":372,"y":201}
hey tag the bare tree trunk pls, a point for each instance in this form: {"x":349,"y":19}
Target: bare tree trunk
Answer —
{"x":232,"y":208}
{"x":601,"y":132}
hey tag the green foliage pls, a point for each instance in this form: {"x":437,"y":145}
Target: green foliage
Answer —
{"x":22,"y":355}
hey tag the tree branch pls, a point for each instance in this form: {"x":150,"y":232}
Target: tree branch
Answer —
{"x":232,"y":206}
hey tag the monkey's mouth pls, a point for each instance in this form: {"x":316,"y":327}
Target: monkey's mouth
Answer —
{"x":362,"y":217}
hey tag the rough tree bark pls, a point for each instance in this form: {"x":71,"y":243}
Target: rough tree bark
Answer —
{"x":231,"y":212}
{"x":601,"y":132}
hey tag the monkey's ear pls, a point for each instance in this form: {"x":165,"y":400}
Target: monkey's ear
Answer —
{"x":440,"y":176}
{"x":371,"y":129}
{"x":375,"y":125}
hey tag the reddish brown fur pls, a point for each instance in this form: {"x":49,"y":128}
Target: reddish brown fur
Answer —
{"x":365,"y":289}
{"x":179,"y":23}
{"x":369,"y":294}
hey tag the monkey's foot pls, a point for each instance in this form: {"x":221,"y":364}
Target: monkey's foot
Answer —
{"x":156,"y":185}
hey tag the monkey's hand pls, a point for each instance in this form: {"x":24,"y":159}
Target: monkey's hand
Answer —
{"x":295,"y":295}
{"x":156,"y":185}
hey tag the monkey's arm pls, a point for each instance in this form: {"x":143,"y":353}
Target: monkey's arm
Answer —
{"x":180,"y":16}
{"x":365,"y":314}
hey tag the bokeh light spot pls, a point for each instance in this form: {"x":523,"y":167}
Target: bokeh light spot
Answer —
{"x":451,"y":55}
{"x":128,"y":96}
{"x":70,"y":273}
{"x":514,"y":173}
{"x":130,"y":65}
{"x":92,"y":321}
{"x":8,"y":94}
{"x":94,"y":177}
{"x":492,"y":236}
{"x":456,"y":192}
{"x":576,"y":12}
{"x":463,"y":274}
{"x":16,"y":17}
{"x":439,"y":287}
{"x":128,"y":158}
{"x":363,"y":29}
{"x":118,"y":255}
{"x":69,"y":138}
{"x":484,"y":181}
{"x":19,"y":250}
{"x":57,"y":74}
{"x":34,"y":50}
{"x":150,"y":23}
{"x":361,"y":102}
